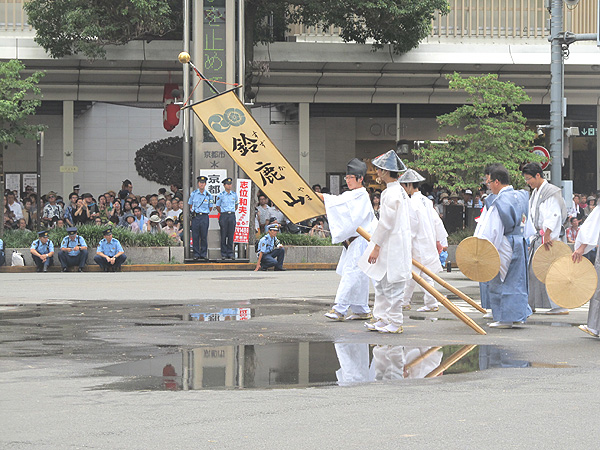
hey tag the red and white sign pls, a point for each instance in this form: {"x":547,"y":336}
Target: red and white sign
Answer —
{"x":541,"y":151}
{"x":242,"y":215}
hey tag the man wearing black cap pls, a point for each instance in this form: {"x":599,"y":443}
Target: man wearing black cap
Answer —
{"x":200,"y":205}
{"x":73,"y":251}
{"x":109,"y":255}
{"x":42,"y":252}
{"x":347,"y":212}
{"x":76,"y":189}
{"x":227,"y":202}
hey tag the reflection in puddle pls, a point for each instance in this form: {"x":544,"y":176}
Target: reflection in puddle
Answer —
{"x":306,"y":364}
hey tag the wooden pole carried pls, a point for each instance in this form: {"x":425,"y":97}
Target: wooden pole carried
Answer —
{"x":439,"y":297}
{"x":448,"y":286}
{"x":424,"y":356}
{"x":453,"y":359}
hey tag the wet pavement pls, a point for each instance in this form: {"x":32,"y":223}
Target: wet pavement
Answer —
{"x":232,"y":359}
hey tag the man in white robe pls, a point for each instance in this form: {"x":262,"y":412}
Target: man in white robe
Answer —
{"x":345,"y":213}
{"x":388,"y":260}
{"x":547,"y":213}
{"x":587,"y":239}
{"x":426,"y":236}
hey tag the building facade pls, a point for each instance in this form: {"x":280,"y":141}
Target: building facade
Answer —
{"x":320,"y":100}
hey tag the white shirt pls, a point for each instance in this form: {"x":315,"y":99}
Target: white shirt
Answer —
{"x":549,"y":213}
{"x":17,"y":210}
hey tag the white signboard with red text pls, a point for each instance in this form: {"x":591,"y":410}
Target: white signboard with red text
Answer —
{"x":242,"y":215}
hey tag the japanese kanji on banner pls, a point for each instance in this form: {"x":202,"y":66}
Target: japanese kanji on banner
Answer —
{"x":242,"y":214}
{"x":245,"y":141}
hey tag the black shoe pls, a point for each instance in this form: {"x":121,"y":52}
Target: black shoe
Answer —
{"x":264,"y":269}
{"x":232,"y":258}
{"x":64,"y":269}
{"x":39,"y":269}
{"x":196,"y":258}
{"x":279,"y":269}
{"x":80,"y":269}
{"x":106,"y":269}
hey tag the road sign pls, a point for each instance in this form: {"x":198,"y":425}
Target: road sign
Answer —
{"x":541,"y":151}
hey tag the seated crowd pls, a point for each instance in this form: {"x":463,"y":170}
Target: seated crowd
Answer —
{"x":153,"y":213}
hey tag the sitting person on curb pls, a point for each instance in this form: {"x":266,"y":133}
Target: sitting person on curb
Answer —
{"x":109,"y":255}
{"x":2,"y":257}
{"x":270,"y":251}
{"x":73,"y":251}
{"x":42,"y":252}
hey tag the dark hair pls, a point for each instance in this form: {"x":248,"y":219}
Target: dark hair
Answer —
{"x":532,"y":169}
{"x":74,"y":193}
{"x":394,"y":175}
{"x":162,"y":191}
{"x":501,"y":174}
{"x":137,"y":207}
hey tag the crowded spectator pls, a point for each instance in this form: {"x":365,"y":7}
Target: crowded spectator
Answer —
{"x":153,"y":224}
{"x":116,"y":213}
{"x":70,"y":209}
{"x":573,"y":230}
{"x":92,"y":207}
{"x":103,"y":209}
{"x":82,"y":213}
{"x":14,"y":206}
{"x":576,"y":210}
{"x":591,"y":204}
{"x":468,"y":198}
{"x":171,"y":230}
{"x":263,"y":211}
{"x":139,"y":218}
{"x":52,"y":211}
{"x":126,"y":190}
{"x":318,"y":229}
{"x":28,"y":213}
{"x":375,"y":202}
{"x":130,"y":223}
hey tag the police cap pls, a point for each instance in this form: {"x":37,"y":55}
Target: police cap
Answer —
{"x":72,"y":230}
{"x":274,"y":227}
{"x":202,"y":179}
{"x":43,"y":233}
{"x":227,"y":181}
{"x":107,"y":232}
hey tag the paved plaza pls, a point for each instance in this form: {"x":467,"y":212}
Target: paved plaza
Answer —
{"x":143,"y":360}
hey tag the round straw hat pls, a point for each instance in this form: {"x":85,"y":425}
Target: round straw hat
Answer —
{"x":478,"y":259}
{"x":570,"y":284}
{"x":543,"y":259}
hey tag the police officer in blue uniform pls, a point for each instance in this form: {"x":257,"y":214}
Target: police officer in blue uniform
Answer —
{"x":73,"y":251}
{"x":200,"y":203}
{"x":270,"y":251}
{"x":109,"y":255}
{"x":2,"y":257}
{"x":227,"y":202}
{"x":42,"y":251}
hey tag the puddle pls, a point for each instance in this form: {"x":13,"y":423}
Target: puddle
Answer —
{"x":306,"y":364}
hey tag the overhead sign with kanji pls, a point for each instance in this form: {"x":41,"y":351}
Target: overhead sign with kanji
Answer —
{"x":249,"y":146}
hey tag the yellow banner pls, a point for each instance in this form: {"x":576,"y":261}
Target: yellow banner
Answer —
{"x":238,"y":133}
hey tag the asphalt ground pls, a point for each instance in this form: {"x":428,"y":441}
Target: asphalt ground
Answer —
{"x":59,"y":332}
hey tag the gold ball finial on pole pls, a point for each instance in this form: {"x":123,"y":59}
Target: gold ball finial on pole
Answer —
{"x":184,"y":57}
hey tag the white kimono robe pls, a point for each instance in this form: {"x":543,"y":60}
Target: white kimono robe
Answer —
{"x":589,"y":235}
{"x":547,"y":216}
{"x":393,"y":236}
{"x":345,"y":213}
{"x":424,"y":249}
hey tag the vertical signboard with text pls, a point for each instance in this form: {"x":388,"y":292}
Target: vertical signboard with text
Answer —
{"x":242,"y":214}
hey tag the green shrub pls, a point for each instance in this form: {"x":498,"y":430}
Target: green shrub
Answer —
{"x":458,"y":236}
{"x":92,"y":235}
{"x":302,"y":239}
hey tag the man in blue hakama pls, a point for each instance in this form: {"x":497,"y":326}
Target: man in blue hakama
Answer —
{"x":504,"y":226}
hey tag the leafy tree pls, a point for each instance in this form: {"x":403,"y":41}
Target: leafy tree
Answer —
{"x":19,"y":98}
{"x":68,"y":27}
{"x":495,"y":132}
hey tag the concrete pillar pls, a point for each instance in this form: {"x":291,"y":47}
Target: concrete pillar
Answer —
{"x":304,"y":140}
{"x":68,"y":147}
